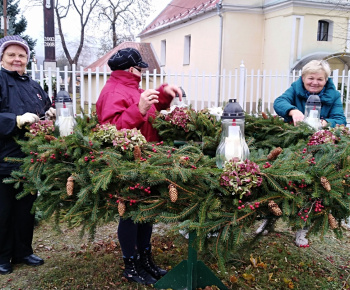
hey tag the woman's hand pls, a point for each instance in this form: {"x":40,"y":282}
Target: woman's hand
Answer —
{"x":297,"y":116}
{"x":147,"y":99}
{"x":173,"y":91}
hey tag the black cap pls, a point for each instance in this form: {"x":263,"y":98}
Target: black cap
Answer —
{"x":125,"y":58}
{"x":63,"y":97}
{"x":233,"y":110}
{"x":313,"y":100}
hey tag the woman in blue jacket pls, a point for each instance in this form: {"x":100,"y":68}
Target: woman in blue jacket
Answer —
{"x":290,"y":105}
{"x":314,"y":80}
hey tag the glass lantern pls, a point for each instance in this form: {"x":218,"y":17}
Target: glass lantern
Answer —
{"x":313,"y":112}
{"x":176,"y":102}
{"x":232,"y":142}
{"x":64,"y":113}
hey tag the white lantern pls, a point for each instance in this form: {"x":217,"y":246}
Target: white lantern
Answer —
{"x":64,"y":113}
{"x":313,"y":112}
{"x":232,"y":143}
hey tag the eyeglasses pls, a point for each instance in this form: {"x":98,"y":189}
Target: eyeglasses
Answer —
{"x":137,"y":68}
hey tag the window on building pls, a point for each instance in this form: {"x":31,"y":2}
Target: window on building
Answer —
{"x":187,"y":50}
{"x":324,"y":32}
{"x":163,"y":52}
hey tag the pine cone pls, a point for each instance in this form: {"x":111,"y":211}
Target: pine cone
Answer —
{"x":173,"y":193}
{"x":325,"y":183}
{"x":332,"y":221}
{"x":274,"y":153}
{"x":70,"y":185}
{"x":49,"y":137}
{"x":45,"y":155}
{"x":274,"y":208}
{"x":121,"y":208}
{"x":137,"y":152}
{"x":264,"y":115}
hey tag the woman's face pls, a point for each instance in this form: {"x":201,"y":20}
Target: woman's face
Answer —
{"x":314,"y":82}
{"x":15,"y":58}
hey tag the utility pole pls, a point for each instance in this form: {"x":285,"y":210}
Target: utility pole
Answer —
{"x":5,"y":16}
{"x":49,"y":35}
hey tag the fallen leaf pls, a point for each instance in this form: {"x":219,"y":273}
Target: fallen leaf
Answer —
{"x":262,"y":265}
{"x":248,"y":277}
{"x":253,"y":261}
{"x":234,"y":279}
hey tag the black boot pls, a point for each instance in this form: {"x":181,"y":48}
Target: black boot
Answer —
{"x":136,"y":273}
{"x":148,"y":264}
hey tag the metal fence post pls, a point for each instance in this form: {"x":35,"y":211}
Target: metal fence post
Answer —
{"x":241,"y":83}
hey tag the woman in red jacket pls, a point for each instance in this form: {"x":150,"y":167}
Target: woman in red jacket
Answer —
{"x":124,"y":104}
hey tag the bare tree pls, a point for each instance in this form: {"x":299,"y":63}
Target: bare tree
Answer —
{"x":126,"y":18}
{"x":84,"y":9}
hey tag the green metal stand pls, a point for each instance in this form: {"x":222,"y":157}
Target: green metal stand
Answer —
{"x":190,"y":274}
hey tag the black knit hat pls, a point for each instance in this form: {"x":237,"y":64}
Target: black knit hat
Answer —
{"x":13,"y":39}
{"x":125,"y":58}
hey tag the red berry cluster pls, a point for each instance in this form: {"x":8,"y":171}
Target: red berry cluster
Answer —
{"x":312,"y":161}
{"x":169,"y":152}
{"x":252,"y":207}
{"x":131,"y":201}
{"x":306,"y":216}
{"x":255,"y":206}
{"x":154,"y":149}
{"x":91,"y":156}
{"x":267,"y":165}
{"x":294,"y":186}
{"x":117,"y":200}
{"x":318,"y":206}
{"x":141,"y":187}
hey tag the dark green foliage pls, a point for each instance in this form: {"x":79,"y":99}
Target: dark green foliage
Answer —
{"x":201,"y":127}
{"x":16,"y":27}
{"x":292,"y":180}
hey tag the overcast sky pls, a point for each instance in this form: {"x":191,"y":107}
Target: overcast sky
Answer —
{"x":35,"y":27}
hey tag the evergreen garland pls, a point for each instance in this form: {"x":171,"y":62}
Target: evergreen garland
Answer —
{"x":85,"y":177}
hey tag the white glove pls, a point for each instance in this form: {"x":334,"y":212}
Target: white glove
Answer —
{"x":26,"y":119}
{"x":50,"y":114}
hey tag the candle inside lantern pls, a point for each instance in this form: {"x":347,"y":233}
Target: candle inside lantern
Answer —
{"x":66,"y":125}
{"x":233,"y":143}
{"x":313,"y":119}
{"x":313,"y":111}
{"x":64,"y":113}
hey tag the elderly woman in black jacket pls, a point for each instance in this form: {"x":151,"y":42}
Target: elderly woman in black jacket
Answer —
{"x":22,"y":102}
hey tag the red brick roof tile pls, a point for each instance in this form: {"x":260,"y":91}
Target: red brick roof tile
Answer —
{"x":179,"y":10}
{"x":145,"y":49}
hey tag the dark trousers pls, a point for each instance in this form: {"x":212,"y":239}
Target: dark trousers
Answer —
{"x":16,"y":223}
{"x":133,"y":237}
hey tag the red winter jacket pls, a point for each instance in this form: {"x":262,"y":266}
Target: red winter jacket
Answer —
{"x":118,"y":104}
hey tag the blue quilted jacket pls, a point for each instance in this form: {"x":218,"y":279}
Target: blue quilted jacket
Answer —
{"x":296,"y":96}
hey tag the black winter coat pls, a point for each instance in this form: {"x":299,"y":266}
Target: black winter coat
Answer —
{"x":18,"y":95}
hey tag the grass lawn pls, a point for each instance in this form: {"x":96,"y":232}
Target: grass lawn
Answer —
{"x":270,"y":262}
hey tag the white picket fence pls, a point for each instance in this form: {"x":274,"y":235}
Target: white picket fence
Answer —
{"x":254,"y":90}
